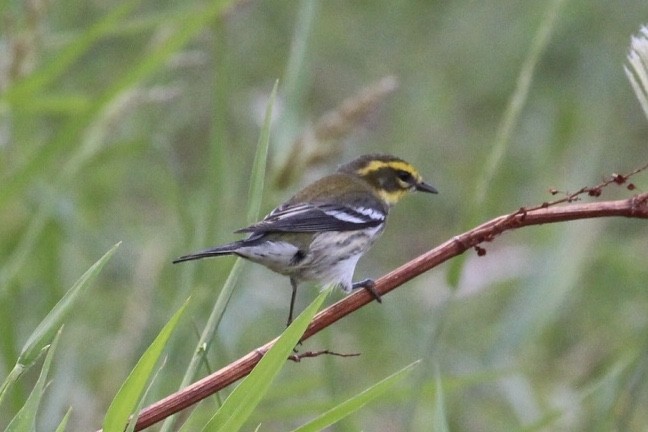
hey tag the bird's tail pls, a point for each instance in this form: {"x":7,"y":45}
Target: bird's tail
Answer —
{"x":226,"y":249}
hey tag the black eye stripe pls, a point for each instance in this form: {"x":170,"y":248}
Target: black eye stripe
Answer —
{"x":404,"y":175}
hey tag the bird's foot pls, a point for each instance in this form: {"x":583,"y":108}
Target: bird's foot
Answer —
{"x":370,"y":286}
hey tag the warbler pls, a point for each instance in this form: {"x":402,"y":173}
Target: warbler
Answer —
{"x":322,"y":231}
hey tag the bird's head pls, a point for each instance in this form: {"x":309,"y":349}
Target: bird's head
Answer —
{"x":389,"y":176}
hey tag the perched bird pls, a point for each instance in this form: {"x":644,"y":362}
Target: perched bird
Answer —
{"x":320,"y":233}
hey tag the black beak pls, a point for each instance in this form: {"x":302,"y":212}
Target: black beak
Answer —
{"x":424,"y":187}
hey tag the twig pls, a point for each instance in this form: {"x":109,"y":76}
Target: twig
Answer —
{"x":635,"y":207}
{"x":297,"y":357}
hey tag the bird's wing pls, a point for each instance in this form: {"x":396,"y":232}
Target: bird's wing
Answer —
{"x":311,"y":217}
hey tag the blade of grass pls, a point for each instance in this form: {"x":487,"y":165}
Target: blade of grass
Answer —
{"x":509,"y":120}
{"x":44,"y":156}
{"x":131,"y":425}
{"x":63,"y":425}
{"x":24,"y":90}
{"x":55,"y":317}
{"x":128,"y":396}
{"x":296,"y":78}
{"x":603,"y":392}
{"x":221,"y":169}
{"x":25,"y":419}
{"x":260,"y":161}
{"x":243,"y":400}
{"x":255,"y":198}
{"x":21,"y":253}
{"x":353,"y":404}
{"x":440,"y":418}
{"x":198,"y":415}
{"x":53,"y":321}
{"x":55,"y":104}
{"x":212,"y":323}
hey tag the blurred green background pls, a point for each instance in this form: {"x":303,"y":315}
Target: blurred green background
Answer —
{"x":137,"y":121}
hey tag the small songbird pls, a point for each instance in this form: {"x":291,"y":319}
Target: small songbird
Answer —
{"x":320,"y":233}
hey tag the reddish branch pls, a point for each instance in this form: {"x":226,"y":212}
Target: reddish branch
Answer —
{"x":635,"y":207}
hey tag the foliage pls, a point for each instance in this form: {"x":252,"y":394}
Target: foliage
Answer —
{"x":139,"y":121}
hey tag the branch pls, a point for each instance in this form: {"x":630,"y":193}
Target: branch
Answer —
{"x":635,"y":207}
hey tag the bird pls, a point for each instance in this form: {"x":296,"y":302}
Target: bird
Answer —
{"x":320,"y":233}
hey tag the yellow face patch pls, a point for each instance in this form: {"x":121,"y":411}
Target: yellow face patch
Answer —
{"x":391,"y":198}
{"x":388,"y":184}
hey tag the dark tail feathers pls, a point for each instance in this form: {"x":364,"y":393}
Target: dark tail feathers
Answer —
{"x":227,"y":249}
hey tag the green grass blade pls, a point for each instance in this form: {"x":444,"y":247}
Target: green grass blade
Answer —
{"x":25,"y":419}
{"x":297,"y":77}
{"x":221,"y":170}
{"x":353,"y":404}
{"x":517,"y":101}
{"x":138,"y":408}
{"x":196,"y":419}
{"x":23,"y":90}
{"x":260,"y":161}
{"x":440,"y":418}
{"x":42,"y":159}
{"x":11,"y":378}
{"x":208,"y":332}
{"x":255,"y":198}
{"x":22,"y":252}
{"x":50,"y":324}
{"x":242,"y":401}
{"x":63,"y":425}
{"x":212,"y":323}
{"x":506,"y":127}
{"x":128,"y":396}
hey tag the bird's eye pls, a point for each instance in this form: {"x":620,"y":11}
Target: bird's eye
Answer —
{"x":404,"y":176}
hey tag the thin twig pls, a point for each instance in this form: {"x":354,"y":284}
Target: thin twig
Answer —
{"x":297,"y":357}
{"x":549,"y":212}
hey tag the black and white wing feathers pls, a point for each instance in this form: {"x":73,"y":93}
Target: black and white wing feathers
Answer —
{"x":313,"y":217}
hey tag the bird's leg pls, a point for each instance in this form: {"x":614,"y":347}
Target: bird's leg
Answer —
{"x":293,"y":284}
{"x":370,"y":286}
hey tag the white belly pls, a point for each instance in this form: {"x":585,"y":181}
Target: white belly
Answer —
{"x":328,"y":264}
{"x":331,"y":258}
